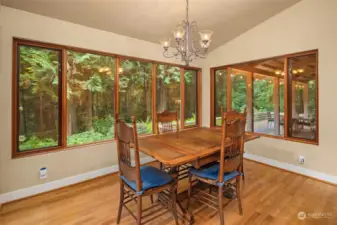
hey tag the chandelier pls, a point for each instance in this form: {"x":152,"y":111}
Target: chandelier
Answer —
{"x":186,"y":37}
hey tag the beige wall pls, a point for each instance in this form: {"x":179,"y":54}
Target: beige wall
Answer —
{"x":310,"y":24}
{"x":21,"y":173}
{"x":307,"y":25}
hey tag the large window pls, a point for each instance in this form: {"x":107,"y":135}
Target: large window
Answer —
{"x":135,"y":94}
{"x":261,"y":86}
{"x":90,"y":95}
{"x":66,"y":97}
{"x":38,"y":98}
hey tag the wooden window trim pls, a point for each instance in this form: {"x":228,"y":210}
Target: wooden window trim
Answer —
{"x":286,"y":95}
{"x":63,"y":98}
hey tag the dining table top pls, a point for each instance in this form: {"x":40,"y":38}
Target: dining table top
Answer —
{"x":189,"y":145}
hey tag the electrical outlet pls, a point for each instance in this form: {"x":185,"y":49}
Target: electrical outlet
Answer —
{"x":43,"y":173}
{"x":301,"y":159}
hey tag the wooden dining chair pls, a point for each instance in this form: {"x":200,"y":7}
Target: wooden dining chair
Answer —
{"x":168,"y":122}
{"x":231,"y":115}
{"x":225,"y":173}
{"x":138,"y":181}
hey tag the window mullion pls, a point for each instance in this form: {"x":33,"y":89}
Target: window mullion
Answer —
{"x":64,"y":109}
{"x":116,"y":88}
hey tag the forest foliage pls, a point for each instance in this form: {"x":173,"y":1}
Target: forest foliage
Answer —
{"x":90,"y":96}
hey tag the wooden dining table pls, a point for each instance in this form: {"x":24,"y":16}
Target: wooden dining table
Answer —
{"x":196,"y":146}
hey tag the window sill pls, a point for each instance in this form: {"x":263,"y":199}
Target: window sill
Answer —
{"x":281,"y":138}
{"x":286,"y":138}
{"x":36,"y":152}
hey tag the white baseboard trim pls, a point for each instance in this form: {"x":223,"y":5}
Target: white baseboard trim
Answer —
{"x":37,"y":189}
{"x":292,"y":168}
{"x":34,"y":190}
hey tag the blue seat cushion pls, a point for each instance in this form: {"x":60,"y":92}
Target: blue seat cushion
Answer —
{"x":151,"y":177}
{"x":211,"y":171}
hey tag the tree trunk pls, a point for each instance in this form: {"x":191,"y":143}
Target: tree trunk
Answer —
{"x":23,"y":117}
{"x":89,"y":124}
{"x":41,"y":113}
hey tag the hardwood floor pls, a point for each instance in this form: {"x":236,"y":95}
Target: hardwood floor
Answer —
{"x":270,"y":196}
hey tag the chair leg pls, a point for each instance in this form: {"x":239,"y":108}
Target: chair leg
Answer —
{"x":238,"y":194}
{"x":121,"y":202}
{"x":222,"y":221}
{"x":151,"y":197}
{"x":189,"y":191}
{"x":174,"y":200}
{"x":139,"y":210}
{"x":242,"y":171}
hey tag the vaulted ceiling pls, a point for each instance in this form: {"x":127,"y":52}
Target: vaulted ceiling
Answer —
{"x":152,"y":20}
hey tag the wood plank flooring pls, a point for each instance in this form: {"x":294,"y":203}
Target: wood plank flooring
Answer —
{"x":270,"y":196}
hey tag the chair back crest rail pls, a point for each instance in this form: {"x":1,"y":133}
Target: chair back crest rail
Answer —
{"x":233,"y":131}
{"x":127,"y":139}
{"x":165,"y":122}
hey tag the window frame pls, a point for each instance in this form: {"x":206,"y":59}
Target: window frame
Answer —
{"x":287,"y":94}
{"x":63,"y":115}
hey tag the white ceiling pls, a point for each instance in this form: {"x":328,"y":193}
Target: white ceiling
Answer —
{"x":152,"y":20}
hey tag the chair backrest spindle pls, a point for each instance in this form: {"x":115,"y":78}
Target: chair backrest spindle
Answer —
{"x":127,"y":138}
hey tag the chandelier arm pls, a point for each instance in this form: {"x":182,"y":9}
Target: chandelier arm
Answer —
{"x":194,"y":25}
{"x":166,"y":54}
{"x":201,"y":54}
{"x":194,"y":49}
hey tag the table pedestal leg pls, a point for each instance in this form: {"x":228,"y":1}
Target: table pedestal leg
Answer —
{"x":183,"y":214}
